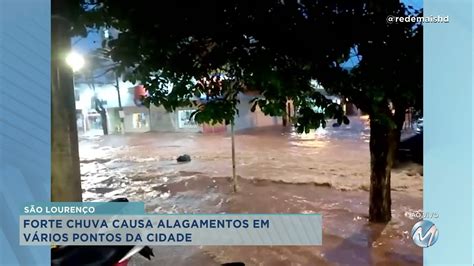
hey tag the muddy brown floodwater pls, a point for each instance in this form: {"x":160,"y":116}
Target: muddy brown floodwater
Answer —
{"x":325,"y":172}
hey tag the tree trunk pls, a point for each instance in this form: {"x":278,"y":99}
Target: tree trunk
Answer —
{"x":234,"y":176}
{"x":103,"y":120}
{"x":65,"y":169}
{"x":382,"y":149}
{"x":103,"y":115}
{"x":289,"y":112}
{"x":232,"y":132}
{"x":284,"y":116}
{"x":122,"y":120}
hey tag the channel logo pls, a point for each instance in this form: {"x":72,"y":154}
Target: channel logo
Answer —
{"x":424,"y":234}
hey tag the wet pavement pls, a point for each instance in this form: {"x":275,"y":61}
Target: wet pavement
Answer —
{"x":326,"y":172}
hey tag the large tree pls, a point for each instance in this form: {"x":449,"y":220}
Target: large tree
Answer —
{"x":386,"y":81}
{"x":219,"y":48}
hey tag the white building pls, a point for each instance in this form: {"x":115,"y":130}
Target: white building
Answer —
{"x":143,"y":119}
{"x":137,"y":118}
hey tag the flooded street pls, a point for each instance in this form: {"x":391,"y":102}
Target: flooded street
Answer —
{"x":326,"y":172}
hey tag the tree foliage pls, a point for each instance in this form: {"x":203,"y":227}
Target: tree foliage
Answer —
{"x":390,"y":68}
{"x":273,"y":47}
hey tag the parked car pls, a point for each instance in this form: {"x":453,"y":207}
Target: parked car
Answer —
{"x":419,"y":125}
{"x":411,"y":149}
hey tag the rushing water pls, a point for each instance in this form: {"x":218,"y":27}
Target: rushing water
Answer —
{"x":324,"y":172}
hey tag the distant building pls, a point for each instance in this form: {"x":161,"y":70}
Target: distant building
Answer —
{"x":138,"y":118}
{"x":248,"y":119}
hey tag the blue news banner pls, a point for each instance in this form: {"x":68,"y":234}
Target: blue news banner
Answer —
{"x":125,"y":223}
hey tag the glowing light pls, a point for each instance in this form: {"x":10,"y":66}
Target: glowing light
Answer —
{"x":75,"y":61}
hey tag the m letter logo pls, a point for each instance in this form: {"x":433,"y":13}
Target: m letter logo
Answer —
{"x":424,"y":234}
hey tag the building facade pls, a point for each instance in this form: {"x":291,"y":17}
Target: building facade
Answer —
{"x":132,"y":117}
{"x":135,"y":118}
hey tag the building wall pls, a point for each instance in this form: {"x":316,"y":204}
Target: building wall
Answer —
{"x":162,"y":121}
{"x":137,"y":119}
{"x":245,"y":119}
{"x":248,"y":119}
{"x":113,"y":120}
{"x":217,"y":128}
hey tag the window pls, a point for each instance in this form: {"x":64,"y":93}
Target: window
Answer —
{"x":184,"y":120}
{"x":140,"y":120}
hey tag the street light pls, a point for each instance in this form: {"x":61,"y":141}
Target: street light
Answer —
{"x":75,"y":61}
